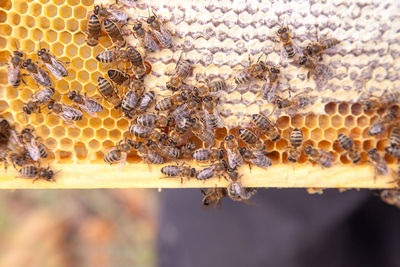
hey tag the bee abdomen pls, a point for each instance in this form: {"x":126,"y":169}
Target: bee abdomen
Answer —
{"x":171,"y":171}
{"x":148,"y":120}
{"x":163,"y":104}
{"x":117,"y":76}
{"x":296,"y":138}
{"x":201,"y":154}
{"x":112,"y":156}
{"x":247,"y":136}
{"x":395,"y":137}
{"x":28,"y":171}
{"x":242,"y":77}
{"x":140,"y":131}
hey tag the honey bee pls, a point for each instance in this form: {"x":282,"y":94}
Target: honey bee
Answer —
{"x":286,"y":42}
{"x":14,"y":69}
{"x":151,"y":120}
{"x":38,"y":173}
{"x":213,"y":120}
{"x":137,"y":62}
{"x":108,"y":92}
{"x":87,"y":104}
{"x":256,"y":157}
{"x":347,"y":144}
{"x":182,"y":70}
{"x":393,"y":151}
{"x":185,"y":111}
{"x":18,"y":160}
{"x":216,"y":169}
{"x":66,"y":113}
{"x":35,"y":149}
{"x":308,"y":63}
{"x":213,"y":196}
{"x":94,"y":30}
{"x":145,"y":38}
{"x":179,"y":171}
{"x":296,"y":140}
{"x":251,"y":139}
{"x":144,"y":132}
{"x":4,"y":152}
{"x":394,"y":137}
{"x":391,"y":197}
{"x":188,"y":149}
{"x":380,"y":124}
{"x":168,"y":103}
{"x":167,"y":151}
{"x":129,"y":103}
{"x":11,"y":135}
{"x":323,"y":158}
{"x":178,"y":138}
{"x":255,"y":70}
{"x":5,"y":132}
{"x":292,"y":103}
{"x":207,"y":154}
{"x":146,"y":100}
{"x":111,"y":56}
{"x":148,"y":155}
{"x":235,"y":189}
{"x":119,"y":153}
{"x":113,"y":14}
{"x":127,"y":3}
{"x":203,"y":89}
{"x":39,"y":99}
{"x":231,"y":147}
{"x":269,"y":88}
{"x":378,"y":162}
{"x":266,"y":127}
{"x":317,"y":48}
{"x":114,"y":32}
{"x":372,"y":103}
{"x":162,"y":35}
{"x":38,"y":74}
{"x":52,"y":64}
{"x":203,"y":133}
{"x":118,"y":77}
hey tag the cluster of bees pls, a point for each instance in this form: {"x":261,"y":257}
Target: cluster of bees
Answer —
{"x":172,"y":128}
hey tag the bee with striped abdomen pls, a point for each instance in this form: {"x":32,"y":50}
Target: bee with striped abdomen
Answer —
{"x":203,"y":133}
{"x":179,"y":171}
{"x":317,"y":48}
{"x":109,"y":93}
{"x":52,"y":64}
{"x":119,"y":77}
{"x":87,"y":104}
{"x":256,"y":157}
{"x":213,"y":196}
{"x":379,"y":162}
{"x":251,"y":139}
{"x":394,"y":137}
{"x":380,"y":124}
{"x":157,"y":28}
{"x":323,"y":158}
{"x":148,"y":155}
{"x":208,"y":154}
{"x":182,"y":70}
{"x":113,"y":55}
{"x":129,"y":102}
{"x":145,"y":38}
{"x":39,"y":99}
{"x":296,"y":140}
{"x":151,"y":120}
{"x":146,"y":100}
{"x":38,"y":74}
{"x":216,"y":169}
{"x":114,"y":32}
{"x":347,"y":144}
{"x":37,"y":173}
{"x":212,"y":117}
{"x":286,"y":42}
{"x":254,"y":70}
{"x":269,"y":88}
{"x":119,"y":153}
{"x":66,"y":113}
{"x":232,"y":149}
{"x":15,"y":63}
{"x":170,"y":102}
{"x":235,"y":189}
{"x":266,"y":127}
{"x":35,"y":148}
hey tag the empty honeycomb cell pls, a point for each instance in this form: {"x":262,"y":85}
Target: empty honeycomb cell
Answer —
{"x":95,"y":123}
{"x":297,"y":121}
{"x":36,"y":118}
{"x":12,"y":93}
{"x":368,"y":144}
{"x":286,"y":133}
{"x":66,"y":144}
{"x":5,"y":4}
{"x":356,"y":133}
{"x":35,"y":9}
{"x":21,"y":7}
{"x":87,"y":133}
{"x":274,"y":156}
{"x":330,"y":134}
{"x":59,"y":131}
{"x":337,"y":121}
{"x":83,"y":75}
{"x":85,"y":52}
{"x":344,"y":108}
{"x":330,"y":108}
{"x":282,"y":122}
{"x":72,"y":25}
{"x":51,"y":143}
{"x":51,"y":36}
{"x":36,"y":35}
{"x":87,"y":2}
{"x":28,"y":45}
{"x":65,"y":12}
{"x":3,"y":16}
{"x":73,"y":132}
{"x":115,"y":135}
{"x":42,"y":131}
{"x":61,"y":86}
{"x":109,"y":123}
{"x":325,"y":145}
{"x":90,"y":64}
{"x":306,"y":133}
{"x":90,"y":89}
{"x":123,"y":125}
{"x":3,"y":42}
{"x":381,"y":145}
{"x":349,"y":121}
{"x":362,"y":121}
{"x":79,"y":38}
{"x":71,"y":50}
{"x":51,"y":11}
{"x":79,"y":12}
{"x":28,"y":21}
{"x":82,"y":123}
{"x":94,"y":145}
{"x":78,"y":63}
{"x":73,"y":2}
{"x":76,"y":86}
{"x":21,"y":32}
{"x":64,"y":156}
{"x":281,"y":144}
{"x":3,"y":105}
{"x":52,"y":120}
{"x":269,"y":145}
{"x":80,"y":151}
{"x":5,"y":30}
{"x":323,"y":121}
{"x":58,"y":24}
{"x":13,"y":18}
{"x":311,"y":120}
{"x":344,"y":159}
{"x":316,"y":134}
{"x":356,"y":109}
{"x":65,"y":37}
{"x":58,"y":2}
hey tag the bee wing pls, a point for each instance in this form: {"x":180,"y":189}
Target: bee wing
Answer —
{"x":56,"y":73}
{"x":33,"y":150}
{"x":14,"y":74}
{"x":234,"y":158}
{"x":122,"y":161}
{"x":149,"y":43}
{"x":163,"y":36}
{"x":59,"y":66}
{"x":91,"y":107}
{"x":118,"y":16}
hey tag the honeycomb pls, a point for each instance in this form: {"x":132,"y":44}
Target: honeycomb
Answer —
{"x":218,"y":38}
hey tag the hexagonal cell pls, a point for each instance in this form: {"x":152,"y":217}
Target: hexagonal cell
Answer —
{"x":64,"y":156}
{"x":337,"y":121}
{"x":62,"y":86}
{"x":6,"y":5}
{"x":3,"y":42}
{"x":21,"y":7}
{"x":297,"y":121}
{"x":281,"y":144}
{"x":76,"y":86}
{"x":344,"y":108}
{"x":58,"y":2}
{"x":73,"y":2}
{"x":71,"y":51}
{"x":349,"y":121}
{"x":36,"y":34}
{"x":356,"y":109}
{"x":65,"y":12}
{"x":87,"y":2}
{"x":94,"y":145}
{"x":316,"y":134}
{"x":90,"y":64}
{"x":282,"y":122}
{"x":79,"y":38}
{"x":12,"y":93}
{"x":381,"y":145}
{"x":51,"y":11}
{"x":21,"y":32}
{"x":368,"y":144}
{"x":51,"y":143}
{"x":344,"y":159}
{"x":13,"y":18}
{"x":87,"y":133}
{"x":356,"y":133}
{"x":80,"y":151}
{"x":72,"y":25}
{"x":311,"y":120}
{"x":83,"y":75}
{"x":3,"y":16}
{"x":59,"y":132}
{"x":269,"y":145}
{"x":323,"y":121}
{"x":123,"y":125}
{"x":85,"y":52}
{"x":66,"y":144}
{"x":51,"y":36}
{"x":90,"y":89}
{"x":325,"y":145}
{"x":79,"y":12}
{"x":65,"y":37}
{"x":275,"y":157}
{"x":28,"y":21}
{"x":115,"y":135}
{"x":58,"y":24}
{"x":82,"y":123}
{"x":101,"y":134}
{"x":330,"y":134}
{"x":5,"y":30}
{"x":330,"y":108}
{"x":109,"y":123}
{"x":362,"y":121}
{"x":3,"y":106}
{"x":35,"y":9}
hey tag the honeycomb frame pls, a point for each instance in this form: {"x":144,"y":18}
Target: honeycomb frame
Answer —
{"x":76,"y":150}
